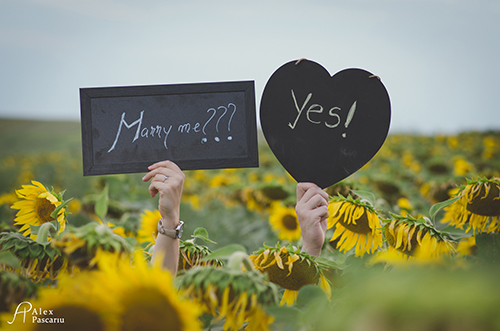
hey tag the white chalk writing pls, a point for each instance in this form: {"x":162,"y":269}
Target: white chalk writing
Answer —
{"x":334,"y":118}
{"x":144,"y":133}
{"x":160,"y":131}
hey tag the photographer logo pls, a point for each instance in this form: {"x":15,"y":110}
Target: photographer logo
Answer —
{"x":37,"y":315}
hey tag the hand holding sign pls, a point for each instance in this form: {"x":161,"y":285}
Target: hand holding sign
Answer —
{"x":324,"y":128}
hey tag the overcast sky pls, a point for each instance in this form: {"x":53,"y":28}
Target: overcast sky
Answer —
{"x":438,"y":59}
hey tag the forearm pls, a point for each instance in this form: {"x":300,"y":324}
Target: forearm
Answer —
{"x":313,"y":250}
{"x":167,"y":249}
{"x":167,"y":180}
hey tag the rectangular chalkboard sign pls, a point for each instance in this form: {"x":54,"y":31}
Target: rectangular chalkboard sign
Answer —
{"x":197,"y":126}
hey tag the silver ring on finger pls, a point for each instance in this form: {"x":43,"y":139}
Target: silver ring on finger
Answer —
{"x":164,"y":179}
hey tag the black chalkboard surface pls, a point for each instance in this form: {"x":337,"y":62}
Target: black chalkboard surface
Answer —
{"x":197,"y":126}
{"x":323,"y":128}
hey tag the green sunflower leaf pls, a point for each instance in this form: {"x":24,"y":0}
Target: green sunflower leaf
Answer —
{"x":58,"y":208}
{"x":21,"y":244}
{"x":366,"y":196}
{"x":436,"y":208}
{"x":131,"y":241}
{"x":35,"y":249}
{"x":4,"y":237}
{"x":224,"y":252}
{"x":291,"y":250}
{"x":91,"y":242}
{"x":50,"y":252}
{"x":101,"y":205}
{"x":23,"y":253}
{"x":8,"y":244}
{"x":199,"y":278}
{"x":206,"y":320}
{"x":116,"y":246}
{"x":202,"y":233}
{"x":224,"y":282}
{"x":454,"y":233}
{"x":324,"y":262}
{"x":9,"y":259}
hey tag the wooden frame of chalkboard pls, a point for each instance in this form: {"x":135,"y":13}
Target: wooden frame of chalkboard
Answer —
{"x":198,"y":126}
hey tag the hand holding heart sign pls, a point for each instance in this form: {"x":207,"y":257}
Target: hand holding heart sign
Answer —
{"x":323,"y":128}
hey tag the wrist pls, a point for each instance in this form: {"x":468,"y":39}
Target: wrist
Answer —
{"x":169,"y":221}
{"x":171,"y":232}
{"x":311,"y":250}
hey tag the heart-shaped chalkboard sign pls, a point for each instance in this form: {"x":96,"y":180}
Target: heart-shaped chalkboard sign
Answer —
{"x":323,"y":128}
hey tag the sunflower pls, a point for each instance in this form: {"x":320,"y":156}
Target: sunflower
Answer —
{"x":404,"y":205}
{"x":356,"y":223}
{"x":148,"y":226}
{"x":254,"y":200}
{"x":193,"y":200}
{"x":75,"y":206}
{"x":437,"y":192}
{"x":461,"y":166}
{"x":391,"y":256}
{"x":191,"y":255}
{"x":70,"y":313}
{"x":15,"y":288}
{"x":467,"y":246}
{"x":8,"y":198}
{"x":83,"y":245}
{"x":144,"y":295}
{"x":232,"y":294}
{"x":290,"y":269}
{"x":39,"y":261}
{"x":478,"y":206}
{"x":273,"y":190}
{"x":120,"y":295}
{"x":70,"y":306}
{"x":36,"y":206}
{"x":284,"y":222}
{"x":417,"y":237}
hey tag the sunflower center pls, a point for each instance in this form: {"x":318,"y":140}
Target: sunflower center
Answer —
{"x":361,"y":227}
{"x":275,"y":193}
{"x":302,"y":274}
{"x":290,"y":222}
{"x":148,"y":309}
{"x":43,"y":210}
{"x":486,"y":205}
{"x":413,"y":240}
{"x":75,"y":318}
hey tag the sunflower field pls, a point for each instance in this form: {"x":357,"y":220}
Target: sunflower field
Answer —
{"x":412,"y":242}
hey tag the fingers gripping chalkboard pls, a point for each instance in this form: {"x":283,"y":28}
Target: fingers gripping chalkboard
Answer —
{"x":197,"y":126}
{"x":323,"y":128}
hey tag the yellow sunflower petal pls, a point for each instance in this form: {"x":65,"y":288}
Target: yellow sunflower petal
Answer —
{"x":325,"y":286}
{"x":291,"y":260}
{"x":278,"y":260}
{"x":289,"y":297}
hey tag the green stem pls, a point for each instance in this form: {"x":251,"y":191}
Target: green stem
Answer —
{"x":44,"y":232}
{"x":236,"y":259}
